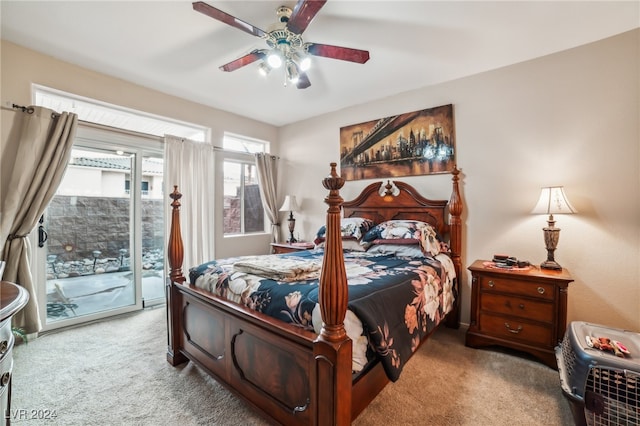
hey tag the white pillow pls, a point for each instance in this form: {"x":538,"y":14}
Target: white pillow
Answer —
{"x":349,"y":245}
{"x":402,"y":250}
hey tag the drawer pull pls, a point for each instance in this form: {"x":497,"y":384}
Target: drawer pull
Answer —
{"x":4,"y":345}
{"x":516,"y":331}
{"x":4,"y":380}
{"x":540,"y":290}
{"x":521,"y":306}
{"x":491,"y":283}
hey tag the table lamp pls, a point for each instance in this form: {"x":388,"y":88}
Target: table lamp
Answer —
{"x":290,"y":206}
{"x":552,"y":201}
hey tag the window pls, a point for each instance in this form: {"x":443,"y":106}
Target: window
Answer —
{"x":94,"y":111}
{"x":241,"y":144}
{"x":144,"y":186}
{"x":243,"y":210}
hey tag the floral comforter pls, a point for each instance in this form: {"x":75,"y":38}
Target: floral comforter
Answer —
{"x":398,"y":300}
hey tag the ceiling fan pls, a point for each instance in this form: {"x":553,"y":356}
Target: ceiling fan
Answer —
{"x":286,"y":46}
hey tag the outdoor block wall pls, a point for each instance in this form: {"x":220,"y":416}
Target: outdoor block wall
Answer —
{"x":77,"y":226}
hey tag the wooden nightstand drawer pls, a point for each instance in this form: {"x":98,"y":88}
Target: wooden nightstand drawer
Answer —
{"x":523,"y":288}
{"x":517,"y":306}
{"x":513,"y":329}
{"x":523,"y":309}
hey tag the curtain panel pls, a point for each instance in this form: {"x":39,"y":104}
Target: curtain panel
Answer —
{"x":267,"y":167}
{"x":191,"y":166}
{"x":34,"y":159}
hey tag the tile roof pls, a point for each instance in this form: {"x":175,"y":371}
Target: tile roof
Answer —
{"x":149,"y":166}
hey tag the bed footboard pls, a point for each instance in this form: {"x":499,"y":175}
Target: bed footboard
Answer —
{"x":289,"y":375}
{"x":271,"y":368}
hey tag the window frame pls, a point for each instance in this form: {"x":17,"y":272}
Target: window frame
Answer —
{"x":244,"y":159}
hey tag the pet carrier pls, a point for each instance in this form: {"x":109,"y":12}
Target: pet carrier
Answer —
{"x":599,"y":370}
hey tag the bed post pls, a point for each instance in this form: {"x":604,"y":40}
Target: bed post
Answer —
{"x":455,"y":241}
{"x":175,"y":253}
{"x":332,"y":349}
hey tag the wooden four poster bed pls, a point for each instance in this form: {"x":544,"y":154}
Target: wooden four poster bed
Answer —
{"x":289,"y":374}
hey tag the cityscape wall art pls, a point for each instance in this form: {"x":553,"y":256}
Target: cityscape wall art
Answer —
{"x":409,"y":144}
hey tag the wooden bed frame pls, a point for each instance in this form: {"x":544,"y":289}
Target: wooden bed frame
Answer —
{"x":290,"y":375}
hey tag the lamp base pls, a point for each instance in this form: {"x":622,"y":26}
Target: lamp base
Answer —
{"x":551,"y":264}
{"x":551,"y":236}
{"x":292,"y":226}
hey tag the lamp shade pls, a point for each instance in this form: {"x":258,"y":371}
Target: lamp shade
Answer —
{"x":289,"y":204}
{"x":553,"y":200}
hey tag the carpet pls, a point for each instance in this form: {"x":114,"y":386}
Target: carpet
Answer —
{"x":115,"y":373}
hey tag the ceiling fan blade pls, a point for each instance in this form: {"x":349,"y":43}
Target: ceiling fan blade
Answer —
{"x":221,"y":16}
{"x":302,"y":15}
{"x":247,"y":59}
{"x":337,"y":52}
{"x":303,"y":81}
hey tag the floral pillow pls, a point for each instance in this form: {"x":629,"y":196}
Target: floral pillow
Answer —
{"x":406,"y":232}
{"x":350,"y":227}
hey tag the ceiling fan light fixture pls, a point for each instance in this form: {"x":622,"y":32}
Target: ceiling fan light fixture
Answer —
{"x":285,"y":43}
{"x":264,"y":69}
{"x":274,"y":60}
{"x":292,"y":72}
{"x":303,"y":61}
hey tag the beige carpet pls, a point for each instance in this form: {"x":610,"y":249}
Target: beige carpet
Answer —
{"x":115,"y":373}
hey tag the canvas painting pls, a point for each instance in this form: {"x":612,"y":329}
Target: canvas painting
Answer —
{"x":410,"y":144}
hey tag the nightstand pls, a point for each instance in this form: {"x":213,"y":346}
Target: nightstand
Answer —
{"x":520,"y":309}
{"x":278,"y":248}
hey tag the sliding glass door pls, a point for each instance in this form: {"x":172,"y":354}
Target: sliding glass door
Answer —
{"x":89,"y":241}
{"x":101,"y":244}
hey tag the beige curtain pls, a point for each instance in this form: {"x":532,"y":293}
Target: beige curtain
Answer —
{"x":267,"y":167}
{"x":34,"y":159}
{"x":191,"y":166}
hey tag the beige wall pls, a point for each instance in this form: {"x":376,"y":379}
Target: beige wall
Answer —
{"x":21,"y":67}
{"x":571,"y":119}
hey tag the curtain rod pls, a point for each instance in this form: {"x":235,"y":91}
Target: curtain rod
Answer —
{"x":31,"y":110}
{"x":28,"y":110}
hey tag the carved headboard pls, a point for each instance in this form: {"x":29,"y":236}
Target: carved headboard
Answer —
{"x":408,"y":204}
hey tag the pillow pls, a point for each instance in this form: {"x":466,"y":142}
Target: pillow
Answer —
{"x":403,"y":230}
{"x":350,"y":228}
{"x":349,"y":245}
{"x":397,"y":241}
{"x":444,"y":247}
{"x":402,"y":250}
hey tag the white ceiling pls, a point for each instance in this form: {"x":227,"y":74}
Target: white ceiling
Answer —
{"x":169,"y":47}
